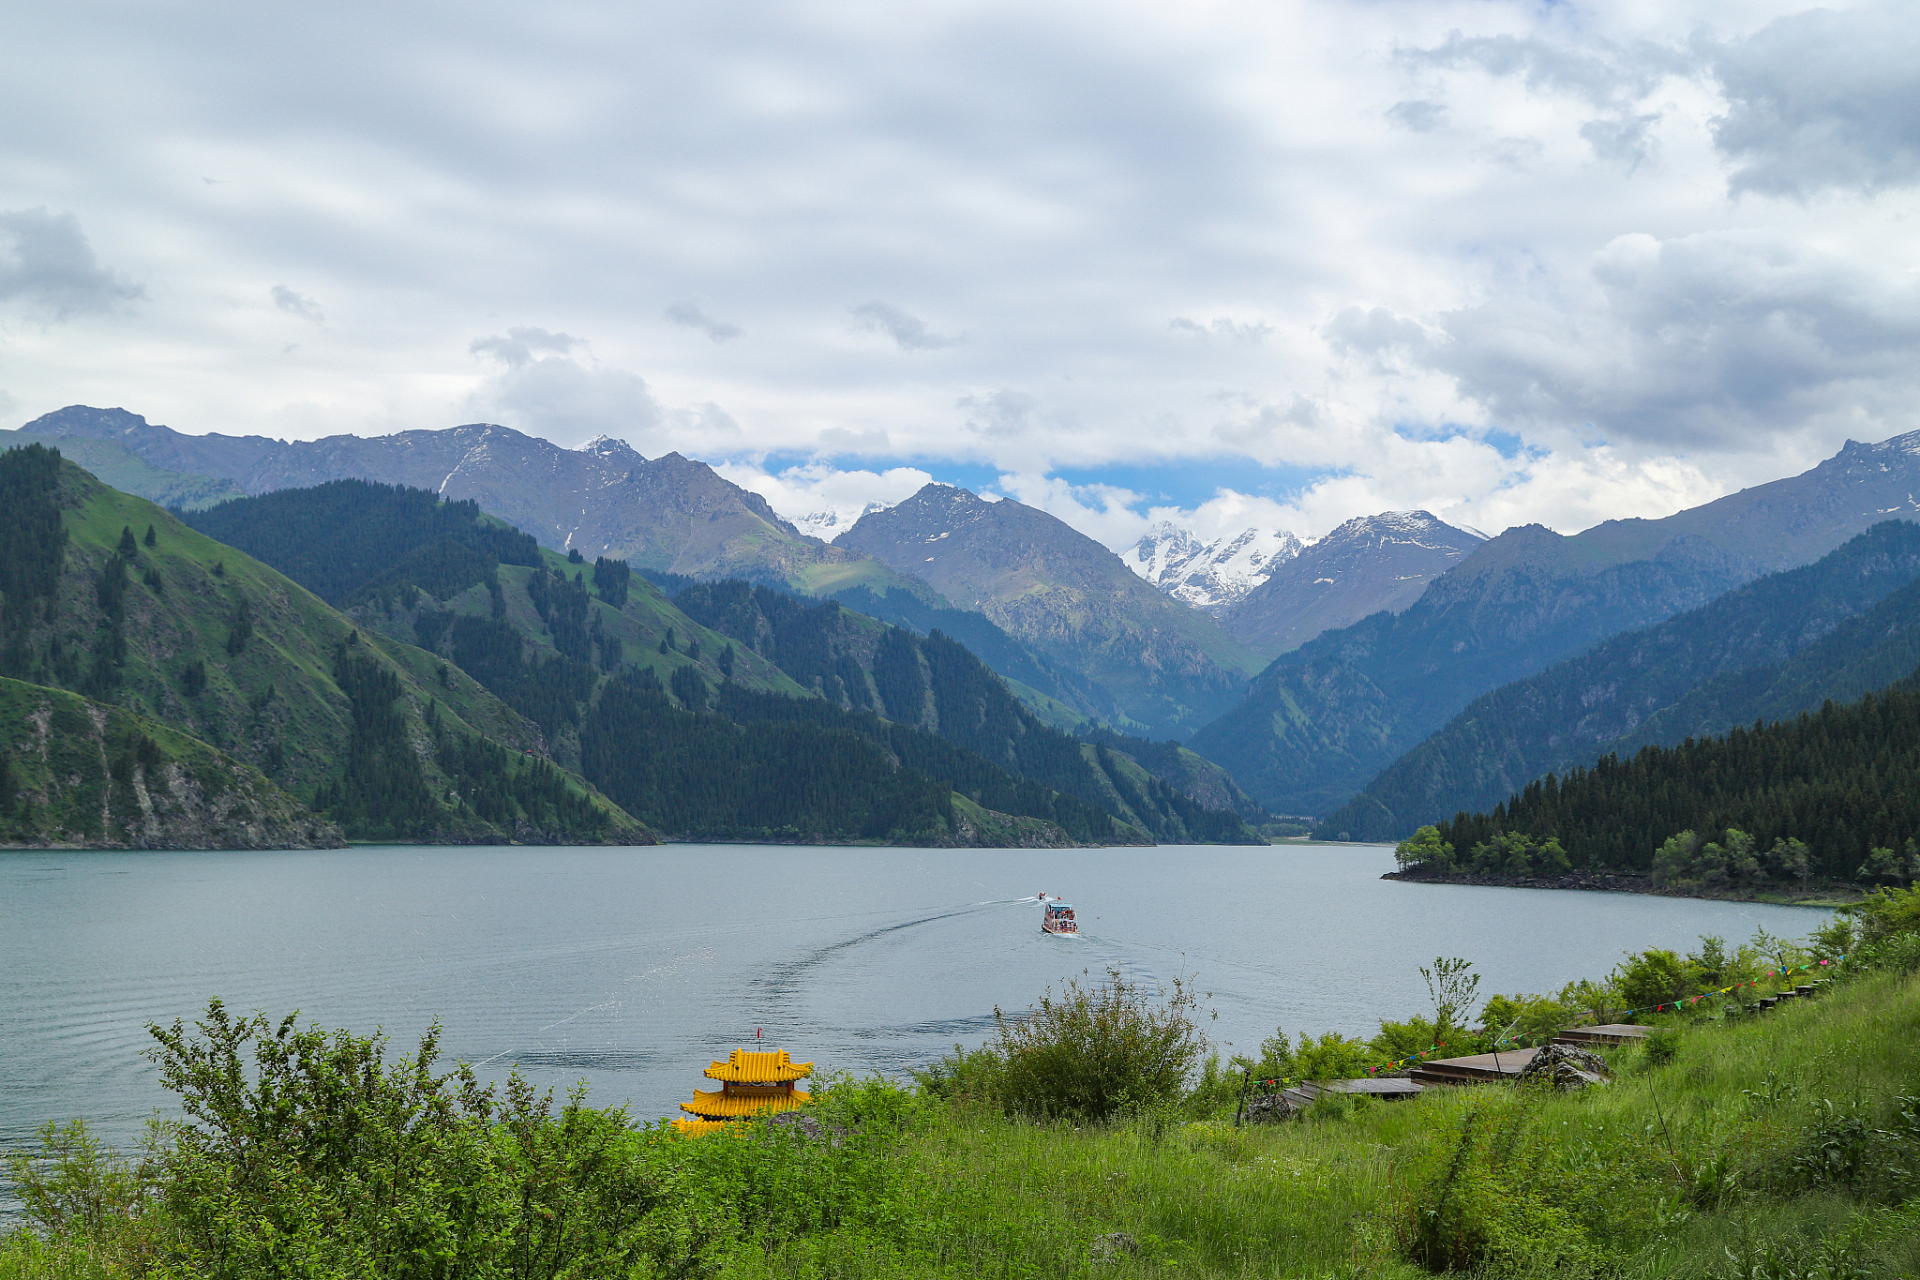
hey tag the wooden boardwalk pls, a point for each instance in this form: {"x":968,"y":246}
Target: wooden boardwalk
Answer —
{"x":1391,"y":1089}
{"x":1485,"y":1068}
{"x":1477,"y":1068}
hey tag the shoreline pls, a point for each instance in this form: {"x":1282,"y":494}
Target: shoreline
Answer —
{"x":1620,"y":882}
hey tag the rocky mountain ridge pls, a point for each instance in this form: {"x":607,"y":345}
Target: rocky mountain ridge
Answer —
{"x":605,"y":498}
{"x":1369,"y":564}
{"x":1322,"y":720}
{"x":1846,"y":625}
{"x":1165,"y":668}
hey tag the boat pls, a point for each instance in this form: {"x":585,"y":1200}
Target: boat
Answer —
{"x":1056,"y":916}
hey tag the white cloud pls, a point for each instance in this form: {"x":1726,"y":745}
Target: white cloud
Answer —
{"x":520,"y":346}
{"x":909,"y":332}
{"x":47,"y":262}
{"x":297,"y":303}
{"x":1823,"y":100}
{"x":825,"y":502}
{"x":1702,"y":342}
{"x":556,"y":396}
{"x":690,"y":316}
{"x":1491,"y":257}
{"x":1224,"y":327}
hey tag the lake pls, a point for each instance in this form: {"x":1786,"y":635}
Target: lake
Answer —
{"x":631,"y":969}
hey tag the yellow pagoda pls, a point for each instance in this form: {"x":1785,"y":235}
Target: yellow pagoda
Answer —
{"x":751,"y":1084}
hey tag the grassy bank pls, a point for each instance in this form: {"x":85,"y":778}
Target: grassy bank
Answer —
{"x":1785,"y":1144}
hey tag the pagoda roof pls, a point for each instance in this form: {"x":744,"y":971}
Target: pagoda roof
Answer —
{"x":759,"y":1068}
{"x":694,"y":1128}
{"x":719,"y":1106}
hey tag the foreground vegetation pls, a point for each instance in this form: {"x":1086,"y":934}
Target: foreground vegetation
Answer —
{"x":1786,"y":1145}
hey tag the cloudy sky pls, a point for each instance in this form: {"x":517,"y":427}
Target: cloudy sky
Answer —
{"x":1265,"y":263}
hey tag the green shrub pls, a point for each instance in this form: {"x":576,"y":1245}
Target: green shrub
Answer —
{"x":1096,"y":1050}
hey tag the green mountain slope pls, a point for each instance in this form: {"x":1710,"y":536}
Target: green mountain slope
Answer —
{"x":1186,"y":771}
{"x":1058,"y":695}
{"x":78,"y":772}
{"x":110,"y":596}
{"x":697,"y":730}
{"x":1779,"y":645}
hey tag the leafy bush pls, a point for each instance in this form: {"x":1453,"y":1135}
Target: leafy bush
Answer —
{"x":1096,"y":1050}
{"x":1529,"y":1019}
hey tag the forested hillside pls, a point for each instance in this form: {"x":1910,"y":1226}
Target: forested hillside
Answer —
{"x":1320,"y":722}
{"x":1014,"y":660}
{"x":78,"y":772}
{"x":934,"y":683}
{"x":113,"y":598}
{"x":1832,"y":795}
{"x":698,"y":730}
{"x":1775,"y":647}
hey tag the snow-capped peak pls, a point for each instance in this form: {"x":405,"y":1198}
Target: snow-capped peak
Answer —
{"x":1209,"y":575}
{"x":831,"y":522}
{"x":609,"y":447}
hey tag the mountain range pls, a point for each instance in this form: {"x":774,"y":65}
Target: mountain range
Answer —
{"x":563,"y":641}
{"x":1781,"y":645}
{"x":603,"y":499}
{"x":1322,"y":720}
{"x":1373,"y":638}
{"x":677,"y":516}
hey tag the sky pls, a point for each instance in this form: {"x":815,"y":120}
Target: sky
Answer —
{"x":1272,"y":264}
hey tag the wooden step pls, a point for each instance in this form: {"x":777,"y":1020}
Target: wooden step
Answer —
{"x":1476,"y":1068}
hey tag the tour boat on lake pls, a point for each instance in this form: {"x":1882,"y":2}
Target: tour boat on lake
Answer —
{"x":1056,"y":916}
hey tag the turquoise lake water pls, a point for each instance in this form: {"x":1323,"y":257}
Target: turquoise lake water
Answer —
{"x":631,"y":969}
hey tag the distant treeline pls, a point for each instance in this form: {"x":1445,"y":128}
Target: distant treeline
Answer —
{"x":1843,"y":781}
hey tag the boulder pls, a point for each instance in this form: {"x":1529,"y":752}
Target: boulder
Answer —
{"x":1567,"y":1067}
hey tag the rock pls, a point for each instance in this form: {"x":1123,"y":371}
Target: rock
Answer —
{"x":1111,"y":1246}
{"x":809,"y":1127}
{"x":1567,"y":1067}
{"x":1271,"y":1108}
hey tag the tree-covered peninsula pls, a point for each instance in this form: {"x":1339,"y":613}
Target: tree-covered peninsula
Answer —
{"x":1823,"y":799}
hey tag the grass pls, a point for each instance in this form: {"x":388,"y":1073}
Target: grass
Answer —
{"x":1665,"y":1172}
{"x":1784,"y":1145}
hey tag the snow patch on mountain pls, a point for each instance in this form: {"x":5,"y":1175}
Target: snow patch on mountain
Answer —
{"x":1211,"y":576}
{"x":831,"y":522}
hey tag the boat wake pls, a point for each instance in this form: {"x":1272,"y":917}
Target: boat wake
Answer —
{"x":785,"y":979}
